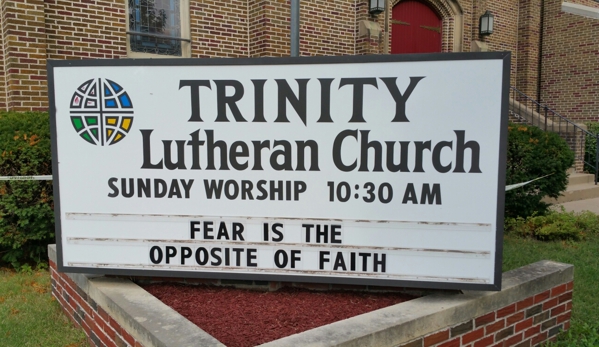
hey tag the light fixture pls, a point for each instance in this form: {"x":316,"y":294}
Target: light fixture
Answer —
{"x":485,"y":26}
{"x":377,"y":6}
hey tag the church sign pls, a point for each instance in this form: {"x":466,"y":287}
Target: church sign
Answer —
{"x":377,"y":170}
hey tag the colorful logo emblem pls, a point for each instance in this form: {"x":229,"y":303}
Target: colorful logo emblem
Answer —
{"x":101,"y":112}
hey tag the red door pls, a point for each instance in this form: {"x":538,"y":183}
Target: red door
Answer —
{"x":415,"y":28}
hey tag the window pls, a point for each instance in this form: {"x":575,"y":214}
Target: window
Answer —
{"x":158,"y":28}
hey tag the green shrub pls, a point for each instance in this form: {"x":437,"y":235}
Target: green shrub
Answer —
{"x":590,"y":146}
{"x":554,"y":226}
{"x":26,"y":207}
{"x":533,"y":153}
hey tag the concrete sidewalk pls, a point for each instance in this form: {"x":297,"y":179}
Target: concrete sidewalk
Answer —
{"x":580,"y":205}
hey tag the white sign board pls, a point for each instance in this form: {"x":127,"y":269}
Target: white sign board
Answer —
{"x":380,"y":170}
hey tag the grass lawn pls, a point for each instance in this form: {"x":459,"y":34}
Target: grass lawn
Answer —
{"x":30,"y":316}
{"x":584,"y":255}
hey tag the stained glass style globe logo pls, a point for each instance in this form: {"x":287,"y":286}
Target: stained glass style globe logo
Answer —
{"x":101,"y":112}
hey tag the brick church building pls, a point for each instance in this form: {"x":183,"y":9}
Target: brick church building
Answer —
{"x":554,"y":44}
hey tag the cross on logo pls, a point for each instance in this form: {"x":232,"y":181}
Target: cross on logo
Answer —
{"x":101,"y":112}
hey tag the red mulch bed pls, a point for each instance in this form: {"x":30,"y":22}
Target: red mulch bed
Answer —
{"x":245,"y":318}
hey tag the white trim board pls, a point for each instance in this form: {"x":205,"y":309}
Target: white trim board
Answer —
{"x":580,"y":10}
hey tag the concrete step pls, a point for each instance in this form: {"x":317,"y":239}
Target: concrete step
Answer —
{"x":579,"y":206}
{"x":580,"y":178}
{"x":577,"y":192}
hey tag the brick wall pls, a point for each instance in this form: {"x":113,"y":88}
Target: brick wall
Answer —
{"x":505,"y":33}
{"x":468,"y":13}
{"x":269,"y":28}
{"x":570,"y":62}
{"x":36,"y":30}
{"x":258,"y":20}
{"x":219,"y":28}
{"x":3,"y":100}
{"x":24,"y":42}
{"x":101,"y":329}
{"x":83,"y":29}
{"x":365,"y":44}
{"x":327,"y":27}
{"x":529,"y":41}
{"x":525,"y":323}
{"x":576,"y":141}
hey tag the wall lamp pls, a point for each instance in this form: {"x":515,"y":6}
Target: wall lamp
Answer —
{"x":376,"y":7}
{"x":485,"y":26}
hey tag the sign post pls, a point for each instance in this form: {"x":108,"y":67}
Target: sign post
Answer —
{"x":379,"y":170}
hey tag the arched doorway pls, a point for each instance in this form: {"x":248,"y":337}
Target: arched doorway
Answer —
{"x":415,"y":28}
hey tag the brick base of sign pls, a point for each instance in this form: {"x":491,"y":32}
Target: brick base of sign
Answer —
{"x":533,"y":306}
{"x":115,"y":312}
{"x":83,"y":311}
{"x":528,"y":322}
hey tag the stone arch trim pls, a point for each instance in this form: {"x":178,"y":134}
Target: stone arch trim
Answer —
{"x":453,"y":23}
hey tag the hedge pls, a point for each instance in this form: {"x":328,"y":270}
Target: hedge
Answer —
{"x":26,"y":207}
{"x":533,"y":153}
